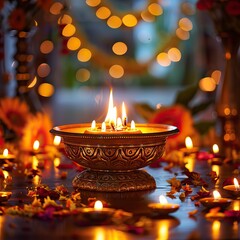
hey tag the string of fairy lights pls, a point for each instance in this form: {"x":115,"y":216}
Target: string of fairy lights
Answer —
{"x":118,"y":64}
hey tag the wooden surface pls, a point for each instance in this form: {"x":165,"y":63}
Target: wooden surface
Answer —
{"x":178,"y":225}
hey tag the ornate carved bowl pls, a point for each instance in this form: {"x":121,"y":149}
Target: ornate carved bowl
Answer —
{"x":112,"y":160}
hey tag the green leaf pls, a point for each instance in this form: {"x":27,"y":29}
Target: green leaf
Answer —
{"x":200,"y":107}
{"x":186,"y":95}
{"x":144,"y":110}
{"x":204,"y":126}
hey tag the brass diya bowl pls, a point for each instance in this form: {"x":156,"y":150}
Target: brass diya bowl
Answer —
{"x":112,"y":159}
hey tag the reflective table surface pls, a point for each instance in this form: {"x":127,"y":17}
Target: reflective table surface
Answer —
{"x":177,"y":225}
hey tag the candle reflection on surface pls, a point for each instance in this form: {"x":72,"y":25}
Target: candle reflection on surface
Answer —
{"x":190,"y":163}
{"x":216,"y":229}
{"x":163,"y":230}
{"x":216,"y":168}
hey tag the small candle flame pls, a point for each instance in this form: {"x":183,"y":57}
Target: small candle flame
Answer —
{"x":98,"y":205}
{"x":103,"y":129}
{"x":124,"y":115}
{"x":36,"y":145}
{"x":110,"y":107}
{"x":215,"y":148}
{"x":216,"y":195}
{"x":162,"y":199}
{"x":5,"y":174}
{"x":119,"y":123}
{"x":93,"y":126}
{"x":133,"y":125}
{"x":188,"y":143}
{"x":5,"y":152}
{"x":56,"y":140}
{"x":235,"y":181}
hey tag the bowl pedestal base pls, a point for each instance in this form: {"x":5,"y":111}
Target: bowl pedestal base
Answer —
{"x":105,"y":181}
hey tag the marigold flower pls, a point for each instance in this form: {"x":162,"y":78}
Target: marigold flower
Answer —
{"x":37,"y":128}
{"x":176,"y":115}
{"x":14,"y":113}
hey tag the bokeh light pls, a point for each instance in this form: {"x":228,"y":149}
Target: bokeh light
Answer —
{"x":46,"y":90}
{"x":84,"y":55}
{"x":207,"y":84}
{"x":43,"y":70}
{"x":185,"y":24}
{"x":174,"y":54}
{"x":119,"y":48}
{"x":147,"y":16}
{"x":56,"y":8}
{"x":114,"y":22}
{"x":103,"y":13}
{"x":93,"y":3}
{"x":116,"y":71}
{"x":216,"y":75}
{"x":65,"y":19}
{"x":129,"y":20}
{"x":68,"y":30}
{"x":46,"y":47}
{"x":183,"y":35}
{"x":155,"y":9}
{"x":73,"y":43}
{"x":83,"y":75}
{"x":163,"y":60}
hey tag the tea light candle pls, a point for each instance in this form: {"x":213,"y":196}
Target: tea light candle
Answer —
{"x":6,"y":155}
{"x":163,"y":207}
{"x":4,"y":196}
{"x":215,"y":201}
{"x":189,"y":149}
{"x":234,"y":189}
{"x":216,"y":159}
{"x":98,"y":213}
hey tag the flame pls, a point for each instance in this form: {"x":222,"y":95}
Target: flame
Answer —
{"x":98,"y":205}
{"x":216,"y":194}
{"x":110,"y":107}
{"x":5,"y":174}
{"x":56,"y":140}
{"x":93,"y":126}
{"x":132,"y":125}
{"x":36,"y":145}
{"x":235,"y":181}
{"x":215,"y":148}
{"x":188,"y":143}
{"x":103,"y":129}
{"x":5,"y":152}
{"x":124,"y":115}
{"x":162,"y":199}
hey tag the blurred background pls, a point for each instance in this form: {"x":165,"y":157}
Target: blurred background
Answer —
{"x":145,"y":50}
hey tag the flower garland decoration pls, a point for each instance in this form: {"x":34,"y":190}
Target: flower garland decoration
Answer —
{"x":128,"y":64}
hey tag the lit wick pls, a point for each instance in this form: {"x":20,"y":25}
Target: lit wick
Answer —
{"x":188,"y":143}
{"x":103,"y":129}
{"x":93,"y":126}
{"x":98,"y":206}
{"x":235,"y":181}
{"x":216,"y":195}
{"x":5,"y":152}
{"x":215,"y":148}
{"x":56,"y":140}
{"x":36,"y":145}
{"x":132,"y":125}
{"x":124,"y":115}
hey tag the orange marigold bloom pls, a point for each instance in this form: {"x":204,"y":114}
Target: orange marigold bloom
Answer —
{"x":37,"y":128}
{"x":14,"y":113}
{"x":176,"y":115}
{"x":44,"y":4}
{"x":17,"y":19}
